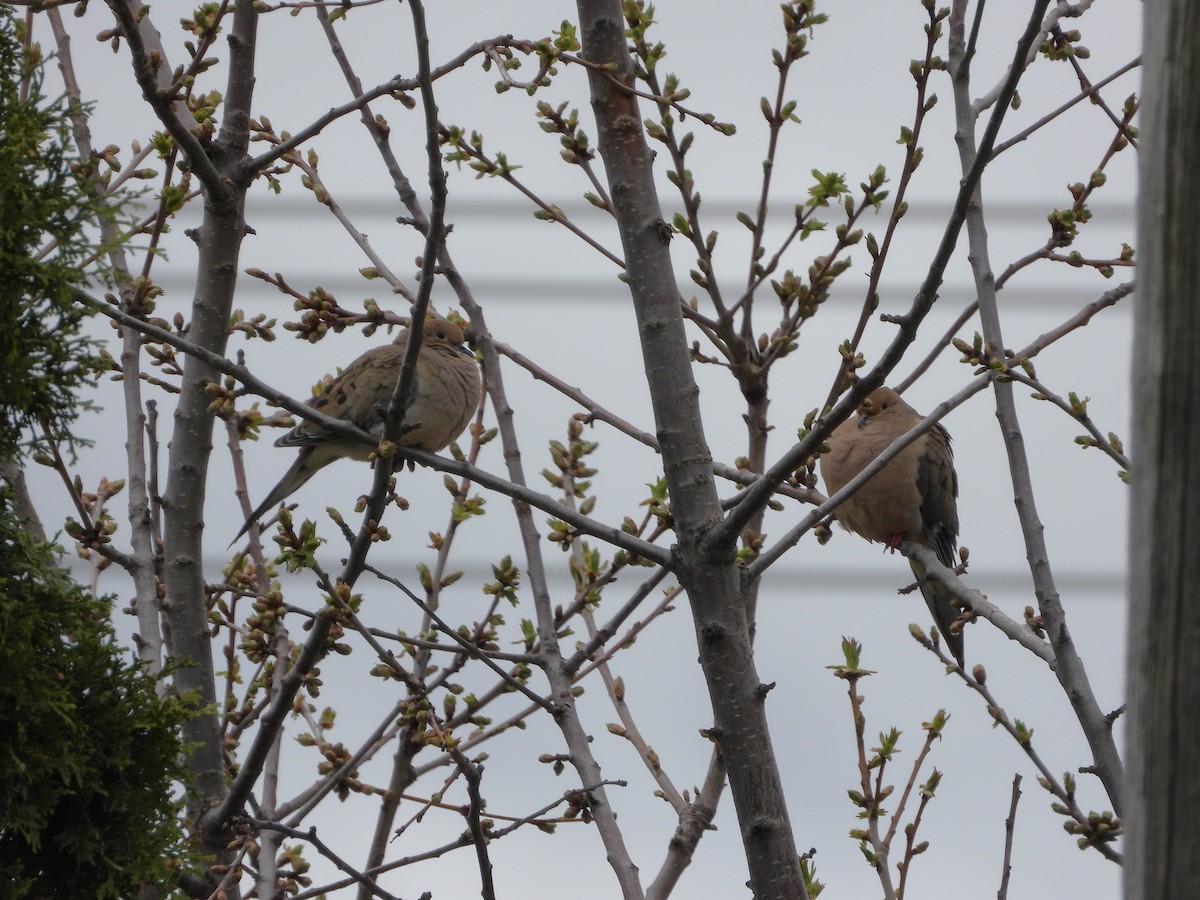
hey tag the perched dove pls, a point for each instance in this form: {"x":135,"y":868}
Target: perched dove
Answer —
{"x":911,"y":499}
{"x":446,"y":394}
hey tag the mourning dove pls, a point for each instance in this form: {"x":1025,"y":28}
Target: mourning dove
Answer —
{"x":911,"y":499}
{"x":445,"y":396}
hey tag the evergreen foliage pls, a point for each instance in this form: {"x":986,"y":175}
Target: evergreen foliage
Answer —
{"x":44,"y":356}
{"x":89,"y":754}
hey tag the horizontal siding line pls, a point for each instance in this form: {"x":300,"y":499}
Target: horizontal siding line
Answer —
{"x":289,"y":205}
{"x":811,"y":582}
{"x":351,"y":289}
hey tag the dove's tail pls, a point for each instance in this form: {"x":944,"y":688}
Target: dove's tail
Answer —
{"x":944,"y":607}
{"x":293,"y":479}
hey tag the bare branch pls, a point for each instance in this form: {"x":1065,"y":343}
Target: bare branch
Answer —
{"x":310,"y":836}
{"x":1069,"y":667}
{"x":150,"y":67}
{"x":1096,"y":830}
{"x":978,"y":603}
{"x":474,"y":774}
{"x":1090,"y":91}
{"x":1097,"y":439}
{"x":390,"y":88}
{"x":467,"y":647}
{"x":150,"y":640}
{"x":1010,"y":828}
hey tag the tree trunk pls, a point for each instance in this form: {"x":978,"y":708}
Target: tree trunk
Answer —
{"x":711,"y":579}
{"x":1164,"y":611}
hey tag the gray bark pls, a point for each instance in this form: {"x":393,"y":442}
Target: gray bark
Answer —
{"x":1164,"y":612}
{"x":220,"y":166}
{"x":708,"y":574}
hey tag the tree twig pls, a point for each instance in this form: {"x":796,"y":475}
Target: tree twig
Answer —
{"x":1010,"y":830}
{"x":310,"y":836}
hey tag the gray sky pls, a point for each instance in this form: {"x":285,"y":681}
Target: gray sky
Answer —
{"x":548,"y":294}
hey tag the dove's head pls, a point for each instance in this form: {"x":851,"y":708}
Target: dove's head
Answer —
{"x":880,"y":401}
{"x":438,"y":331}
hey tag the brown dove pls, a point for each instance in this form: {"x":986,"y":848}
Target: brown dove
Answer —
{"x":911,"y":499}
{"x":445,"y":396}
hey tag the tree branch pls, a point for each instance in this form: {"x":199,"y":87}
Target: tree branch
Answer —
{"x":151,"y":69}
{"x":1069,"y":667}
{"x":310,"y":836}
{"x":707,"y":570}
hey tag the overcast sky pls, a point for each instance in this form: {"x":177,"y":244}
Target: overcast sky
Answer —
{"x":558,"y":301}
